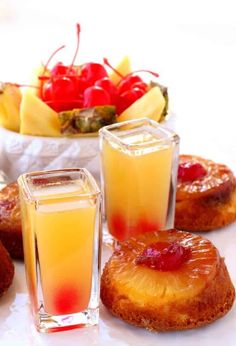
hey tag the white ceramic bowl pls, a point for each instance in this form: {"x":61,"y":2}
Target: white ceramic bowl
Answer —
{"x":21,"y":153}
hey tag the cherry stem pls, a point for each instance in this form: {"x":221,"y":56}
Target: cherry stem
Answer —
{"x":138,"y":71}
{"x":24,"y":85}
{"x":77,"y":48}
{"x":106,"y":62}
{"x":50,"y":58}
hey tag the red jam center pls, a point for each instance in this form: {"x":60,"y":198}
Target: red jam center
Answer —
{"x":190,"y":171}
{"x":163,"y":256}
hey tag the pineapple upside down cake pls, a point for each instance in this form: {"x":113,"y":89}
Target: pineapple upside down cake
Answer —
{"x":206,"y":195}
{"x":167,"y":280}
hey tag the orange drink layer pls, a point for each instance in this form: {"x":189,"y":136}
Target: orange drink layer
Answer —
{"x":65,"y":247}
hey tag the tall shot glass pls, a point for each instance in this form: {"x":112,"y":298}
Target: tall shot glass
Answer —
{"x":61,"y":219}
{"x":139,"y":168}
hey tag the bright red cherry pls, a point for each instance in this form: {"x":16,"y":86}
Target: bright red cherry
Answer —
{"x":47,"y":91}
{"x":80,"y":84}
{"x":109,"y":86}
{"x":163,"y":256}
{"x":59,"y":69}
{"x":141,"y":85}
{"x":127,"y":83}
{"x":190,"y":171}
{"x":96,"y":96}
{"x":92,"y":72}
{"x":60,"y":88}
{"x":127,"y":98}
{"x":61,"y":94}
{"x":65,"y":105}
{"x":138,"y":92}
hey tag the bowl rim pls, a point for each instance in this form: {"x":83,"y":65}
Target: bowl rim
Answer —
{"x":62,"y":137}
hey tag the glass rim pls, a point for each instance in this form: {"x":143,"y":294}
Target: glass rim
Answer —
{"x":107,"y":132}
{"x":23,"y":183}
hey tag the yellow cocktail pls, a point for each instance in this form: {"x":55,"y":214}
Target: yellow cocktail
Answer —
{"x":62,"y":248}
{"x":61,"y":236}
{"x":139,"y":176}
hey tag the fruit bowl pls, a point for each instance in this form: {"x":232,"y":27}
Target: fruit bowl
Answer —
{"x":53,"y":121}
{"x":67,"y":99}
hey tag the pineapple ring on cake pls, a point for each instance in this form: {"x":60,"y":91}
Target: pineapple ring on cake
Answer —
{"x":10,"y":220}
{"x":206,"y":195}
{"x":182,"y":286}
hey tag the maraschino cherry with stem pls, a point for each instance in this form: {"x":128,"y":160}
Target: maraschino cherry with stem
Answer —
{"x":130,"y":88}
{"x":60,"y":90}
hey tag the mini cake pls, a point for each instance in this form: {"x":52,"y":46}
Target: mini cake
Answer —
{"x":10,"y":220}
{"x":206,"y":195}
{"x":6,"y":270}
{"x":167,"y":280}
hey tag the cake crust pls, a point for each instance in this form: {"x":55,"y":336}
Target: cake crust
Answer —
{"x":10,"y":220}
{"x":212,"y":301}
{"x":211,"y":304}
{"x":6,"y":270}
{"x":207,"y":203}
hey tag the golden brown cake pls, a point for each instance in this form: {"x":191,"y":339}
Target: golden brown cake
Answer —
{"x":10,"y":220}
{"x":6,"y":270}
{"x":167,"y":280}
{"x":206,"y":195}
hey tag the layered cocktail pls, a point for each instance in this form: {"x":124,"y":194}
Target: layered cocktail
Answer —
{"x":139,"y":164}
{"x":61,"y":233}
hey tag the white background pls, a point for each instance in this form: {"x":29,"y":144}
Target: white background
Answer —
{"x":192,"y":44}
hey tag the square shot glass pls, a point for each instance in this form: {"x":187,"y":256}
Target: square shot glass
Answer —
{"x":139,"y":160}
{"x":61,"y":221}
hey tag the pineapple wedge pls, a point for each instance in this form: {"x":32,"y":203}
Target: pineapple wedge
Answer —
{"x":10,"y":99}
{"x":150,"y":105}
{"x":124,"y":67}
{"x":37,"y":119}
{"x":34,"y":80}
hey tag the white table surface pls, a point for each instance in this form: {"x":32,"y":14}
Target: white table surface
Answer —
{"x":193,"y":47}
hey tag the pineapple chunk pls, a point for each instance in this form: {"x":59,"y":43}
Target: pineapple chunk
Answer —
{"x":34,"y":80}
{"x":10,"y":99}
{"x":37,"y":118}
{"x":150,"y":105}
{"x":124,"y":67}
